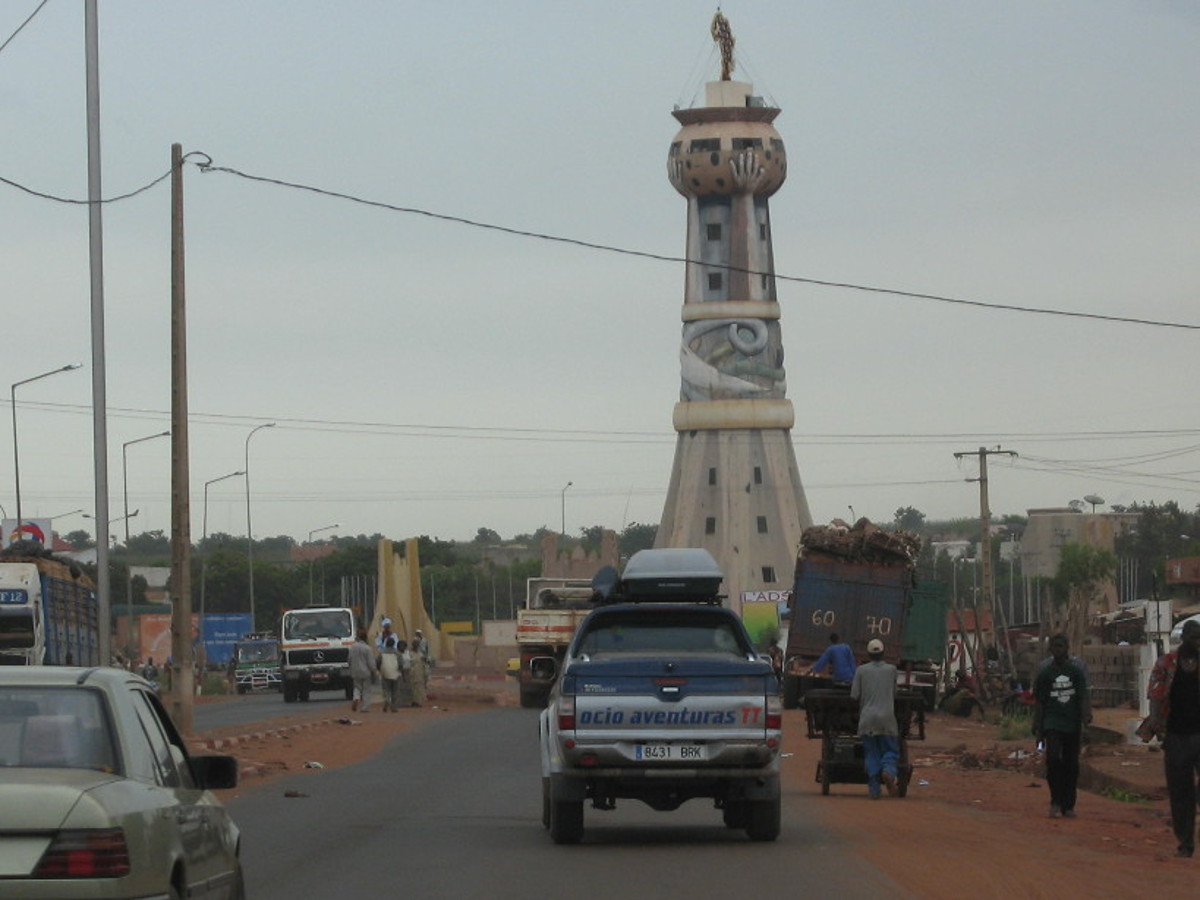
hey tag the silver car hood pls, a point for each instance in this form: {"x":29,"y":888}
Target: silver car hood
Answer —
{"x":41,"y":799}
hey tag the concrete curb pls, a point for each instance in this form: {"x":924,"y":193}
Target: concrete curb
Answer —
{"x":231,"y":741}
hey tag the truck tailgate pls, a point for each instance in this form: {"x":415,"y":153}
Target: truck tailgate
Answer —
{"x":548,"y":626}
{"x":677,"y":717}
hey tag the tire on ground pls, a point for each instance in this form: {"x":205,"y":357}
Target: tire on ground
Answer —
{"x":763,"y":819}
{"x":566,"y":819}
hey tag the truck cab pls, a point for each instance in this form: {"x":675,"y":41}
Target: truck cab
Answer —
{"x":256,"y":663}
{"x":315,"y":644}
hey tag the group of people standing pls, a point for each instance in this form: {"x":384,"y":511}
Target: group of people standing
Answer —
{"x":401,"y":668}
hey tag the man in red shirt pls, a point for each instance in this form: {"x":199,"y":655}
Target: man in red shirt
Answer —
{"x":1174,"y":693}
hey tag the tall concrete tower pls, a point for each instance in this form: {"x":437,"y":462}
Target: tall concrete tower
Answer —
{"x":735,"y":486}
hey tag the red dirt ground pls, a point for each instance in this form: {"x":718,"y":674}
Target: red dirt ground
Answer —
{"x":974,"y":822}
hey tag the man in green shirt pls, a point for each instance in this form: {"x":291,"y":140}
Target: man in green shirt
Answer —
{"x":1061,"y":710}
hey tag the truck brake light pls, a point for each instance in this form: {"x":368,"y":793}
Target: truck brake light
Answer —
{"x":774,"y":712}
{"x":566,"y":712}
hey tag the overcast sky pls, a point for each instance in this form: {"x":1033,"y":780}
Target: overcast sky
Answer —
{"x":429,"y":377}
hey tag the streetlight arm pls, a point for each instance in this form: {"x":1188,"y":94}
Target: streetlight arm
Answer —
{"x":16,"y":446}
{"x":67,"y":368}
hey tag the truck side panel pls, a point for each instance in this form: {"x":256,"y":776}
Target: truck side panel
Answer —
{"x":72,"y":623}
{"x":858,"y":601}
{"x":925,"y":631}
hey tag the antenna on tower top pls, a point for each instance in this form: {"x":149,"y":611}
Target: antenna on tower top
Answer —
{"x":722,"y":34}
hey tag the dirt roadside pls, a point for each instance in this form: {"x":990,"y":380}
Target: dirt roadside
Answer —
{"x":974,"y":821}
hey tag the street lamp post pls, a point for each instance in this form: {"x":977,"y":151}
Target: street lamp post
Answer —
{"x":128,"y":571}
{"x":204,"y":552}
{"x":310,"y":560}
{"x":125,"y":496}
{"x":12,"y":393}
{"x":564,"y":508}
{"x":249,"y":529}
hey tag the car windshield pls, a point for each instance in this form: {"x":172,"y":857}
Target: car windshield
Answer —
{"x":54,"y":728}
{"x":335,"y":623}
{"x":258,"y":652}
{"x":669,"y":633}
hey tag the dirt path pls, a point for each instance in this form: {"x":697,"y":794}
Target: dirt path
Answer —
{"x":979,"y":832}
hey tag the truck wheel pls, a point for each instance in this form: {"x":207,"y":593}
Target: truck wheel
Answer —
{"x":546,"y":803}
{"x":532,"y":698}
{"x":304,"y":695}
{"x":763,"y":819}
{"x":566,"y":820}
{"x":791,"y":691}
{"x":735,"y":814}
{"x":289,"y":693}
{"x":241,"y":689}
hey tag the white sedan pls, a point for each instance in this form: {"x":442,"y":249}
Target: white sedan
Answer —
{"x":99,"y":797}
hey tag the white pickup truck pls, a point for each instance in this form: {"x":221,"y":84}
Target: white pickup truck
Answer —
{"x":662,"y":699}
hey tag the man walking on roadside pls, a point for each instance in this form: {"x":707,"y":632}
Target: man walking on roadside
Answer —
{"x":363,"y":670}
{"x":1061,"y":709}
{"x":874,"y":687}
{"x":1174,"y":693}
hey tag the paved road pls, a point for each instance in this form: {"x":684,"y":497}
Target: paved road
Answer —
{"x":453,"y":809}
{"x":252,"y":709}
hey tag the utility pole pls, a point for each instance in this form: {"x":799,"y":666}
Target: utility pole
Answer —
{"x":183,"y":673}
{"x":985,"y":524}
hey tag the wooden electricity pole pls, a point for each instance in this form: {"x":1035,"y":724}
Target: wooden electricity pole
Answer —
{"x":985,"y":528}
{"x":183,"y":672}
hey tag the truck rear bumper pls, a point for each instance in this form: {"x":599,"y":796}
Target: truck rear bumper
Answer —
{"x":678,"y":784}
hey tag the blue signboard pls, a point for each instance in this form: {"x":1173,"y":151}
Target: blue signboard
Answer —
{"x":220,"y":632}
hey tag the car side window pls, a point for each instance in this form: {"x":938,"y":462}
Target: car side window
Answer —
{"x":169,"y":759}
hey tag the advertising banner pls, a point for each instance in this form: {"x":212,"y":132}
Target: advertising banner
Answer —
{"x":221,"y":631}
{"x":760,"y":615}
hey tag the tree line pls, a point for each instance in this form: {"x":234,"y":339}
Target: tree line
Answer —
{"x":462,"y":580}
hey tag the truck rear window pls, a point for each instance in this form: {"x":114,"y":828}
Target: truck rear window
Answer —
{"x":674,"y":632}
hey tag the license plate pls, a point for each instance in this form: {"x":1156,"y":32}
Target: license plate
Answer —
{"x":670,"y":752}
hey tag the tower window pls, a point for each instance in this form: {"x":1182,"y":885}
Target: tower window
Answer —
{"x":747,"y":143}
{"x":777,"y":145}
{"x":704,"y":145}
{"x":712,"y":475}
{"x":714,"y":281}
{"x":713,"y":231}
{"x":758,"y":474}
{"x":676,"y":147}
{"x":762,"y":524}
{"x":768,"y":574}
{"x":762,"y":231}
{"x":710,"y":525}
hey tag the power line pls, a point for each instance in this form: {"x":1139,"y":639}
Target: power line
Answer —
{"x":460,"y":431}
{"x":8,"y":40}
{"x":642,"y":254}
{"x":207,"y":166}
